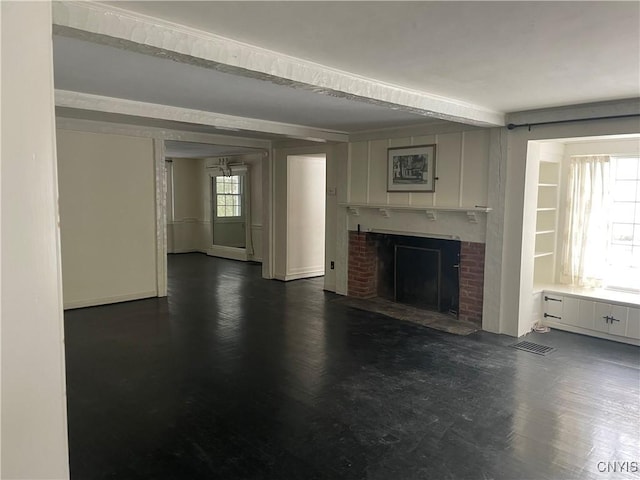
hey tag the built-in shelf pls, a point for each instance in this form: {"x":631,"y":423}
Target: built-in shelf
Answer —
{"x":544,"y":265}
{"x":431,"y":212}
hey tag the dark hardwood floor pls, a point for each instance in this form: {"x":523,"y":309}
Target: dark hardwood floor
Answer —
{"x":235,"y":377}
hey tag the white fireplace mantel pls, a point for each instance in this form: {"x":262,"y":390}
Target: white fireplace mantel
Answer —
{"x":431,"y":212}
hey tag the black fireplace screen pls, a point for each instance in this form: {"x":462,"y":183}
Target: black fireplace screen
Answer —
{"x":417,"y":276}
{"x":417,"y":271}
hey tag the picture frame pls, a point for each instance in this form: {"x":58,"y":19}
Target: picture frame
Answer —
{"x":411,"y":169}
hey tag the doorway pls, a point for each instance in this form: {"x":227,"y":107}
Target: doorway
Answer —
{"x":214,"y":200}
{"x":306,"y":198}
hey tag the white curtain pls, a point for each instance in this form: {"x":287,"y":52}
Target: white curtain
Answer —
{"x":586,"y":227}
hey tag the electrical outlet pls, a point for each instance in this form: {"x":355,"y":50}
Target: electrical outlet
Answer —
{"x":333,"y":265}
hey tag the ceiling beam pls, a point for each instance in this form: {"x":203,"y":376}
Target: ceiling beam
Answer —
{"x":99,"y":103}
{"x":139,"y":33}
{"x":108,"y":127}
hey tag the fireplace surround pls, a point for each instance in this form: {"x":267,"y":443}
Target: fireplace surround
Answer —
{"x":431,"y":273}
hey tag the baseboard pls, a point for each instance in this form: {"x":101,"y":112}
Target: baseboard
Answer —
{"x":331,"y":287}
{"x":187,"y":250}
{"x":94,"y":302}
{"x":231,"y":253}
{"x":300,"y":275}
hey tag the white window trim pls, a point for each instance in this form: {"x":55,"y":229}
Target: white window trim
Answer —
{"x":242,"y":197}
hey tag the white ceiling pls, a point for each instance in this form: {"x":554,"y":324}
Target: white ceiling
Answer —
{"x":505,"y":56}
{"x":499,"y":56}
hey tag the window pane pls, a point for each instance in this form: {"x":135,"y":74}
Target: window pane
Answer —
{"x":623,"y":212}
{"x":622,"y":233}
{"x":625,"y":191}
{"x":636,"y":234}
{"x":228,"y":196}
{"x":627,"y":168}
{"x":619,"y":254}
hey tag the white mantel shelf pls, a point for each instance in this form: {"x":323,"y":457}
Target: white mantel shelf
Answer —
{"x":430,"y":211}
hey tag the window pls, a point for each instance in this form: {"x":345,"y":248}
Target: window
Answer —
{"x":228,"y":195}
{"x":623,"y":253}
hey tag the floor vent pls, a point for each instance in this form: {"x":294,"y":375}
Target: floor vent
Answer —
{"x":533,"y":348}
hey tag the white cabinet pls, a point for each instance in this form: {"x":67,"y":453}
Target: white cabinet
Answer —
{"x":633,"y":323}
{"x":610,"y":318}
{"x":590,"y":317}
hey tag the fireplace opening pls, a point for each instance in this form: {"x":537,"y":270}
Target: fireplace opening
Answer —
{"x":417,"y":277}
{"x":422,"y":272}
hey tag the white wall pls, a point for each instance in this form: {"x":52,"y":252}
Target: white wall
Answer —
{"x":33,"y":420}
{"x":107,"y":218}
{"x":187,"y":228}
{"x":306,"y":184}
{"x":257,"y":210}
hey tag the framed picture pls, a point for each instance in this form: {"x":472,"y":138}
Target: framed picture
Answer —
{"x":411,"y":169}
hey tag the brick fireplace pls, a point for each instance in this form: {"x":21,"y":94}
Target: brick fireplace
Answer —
{"x":365,"y":262}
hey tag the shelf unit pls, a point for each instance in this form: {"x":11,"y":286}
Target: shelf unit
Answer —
{"x":546,"y":221}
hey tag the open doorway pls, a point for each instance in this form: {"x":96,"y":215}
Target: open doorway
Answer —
{"x":214,"y":200}
{"x":306,"y":198}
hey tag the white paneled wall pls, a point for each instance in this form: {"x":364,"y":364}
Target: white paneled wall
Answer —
{"x":462,"y":164}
